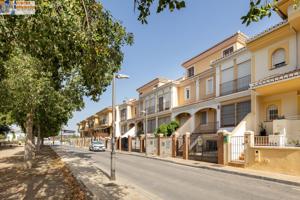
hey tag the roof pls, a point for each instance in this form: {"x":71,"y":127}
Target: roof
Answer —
{"x":243,"y":38}
{"x":153,"y":82}
{"x":269,"y":30}
{"x":230,"y":55}
{"x":279,"y":77}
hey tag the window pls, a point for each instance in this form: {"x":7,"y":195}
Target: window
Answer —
{"x":124,"y":114}
{"x":233,"y":114}
{"x":203,"y":117}
{"x":228,"y":115}
{"x":278,"y":58}
{"x":228,"y":51}
{"x":163,"y":120}
{"x":272,"y":112}
{"x":209,"y":86}
{"x":244,"y":78}
{"x":160,"y":104}
{"x":187,"y":93}
{"x":227,"y":83}
{"x":151,"y":125}
{"x":242,"y":109}
{"x":190,"y":72}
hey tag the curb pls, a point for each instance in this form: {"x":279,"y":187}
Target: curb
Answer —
{"x":292,"y":183}
{"x":88,"y":192}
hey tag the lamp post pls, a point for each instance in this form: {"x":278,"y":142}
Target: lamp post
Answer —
{"x":146,"y":129}
{"x":113,"y":151}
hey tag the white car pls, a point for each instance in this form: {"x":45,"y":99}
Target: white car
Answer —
{"x":97,"y":146}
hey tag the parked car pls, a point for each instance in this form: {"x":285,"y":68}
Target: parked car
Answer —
{"x":97,"y":146}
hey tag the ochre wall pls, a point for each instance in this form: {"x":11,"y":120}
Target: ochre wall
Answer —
{"x":181,"y":90}
{"x":280,"y":160}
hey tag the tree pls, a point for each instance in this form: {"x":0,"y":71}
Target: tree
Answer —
{"x":167,"y":129}
{"x":259,"y":10}
{"x":51,"y":60}
{"x":144,"y":7}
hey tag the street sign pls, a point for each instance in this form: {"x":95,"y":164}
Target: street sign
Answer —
{"x":13,"y":7}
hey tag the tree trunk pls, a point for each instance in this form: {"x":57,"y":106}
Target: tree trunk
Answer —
{"x":42,"y":141}
{"x":29,"y":147}
{"x":38,"y":138}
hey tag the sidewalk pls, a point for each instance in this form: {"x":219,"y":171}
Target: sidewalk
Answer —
{"x":97,"y":182}
{"x":46,"y":178}
{"x":269,"y":176}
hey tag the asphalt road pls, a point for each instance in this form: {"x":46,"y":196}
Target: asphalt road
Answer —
{"x":171,"y":182}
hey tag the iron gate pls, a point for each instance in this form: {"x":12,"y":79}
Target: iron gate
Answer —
{"x":237,"y":148}
{"x":204,"y":147}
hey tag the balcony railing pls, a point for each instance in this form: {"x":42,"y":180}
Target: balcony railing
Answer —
{"x":163,"y":107}
{"x":234,"y":86}
{"x":210,"y":127}
{"x":151,"y":110}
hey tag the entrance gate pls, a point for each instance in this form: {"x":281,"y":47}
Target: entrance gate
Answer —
{"x":203,"y":147}
{"x":237,"y":148}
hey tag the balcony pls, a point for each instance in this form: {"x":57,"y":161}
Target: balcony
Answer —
{"x":150,"y":110}
{"x":234,"y":86}
{"x":210,"y":127}
{"x":163,"y":107}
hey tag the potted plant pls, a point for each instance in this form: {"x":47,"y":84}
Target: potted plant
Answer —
{"x":262,"y":131}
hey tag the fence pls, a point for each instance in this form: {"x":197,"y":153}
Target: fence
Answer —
{"x":135,"y":144}
{"x":165,"y":146}
{"x":151,"y":147}
{"x":270,"y":140}
{"x":237,"y":148}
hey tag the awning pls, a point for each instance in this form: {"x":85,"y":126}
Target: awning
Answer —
{"x":130,"y":133}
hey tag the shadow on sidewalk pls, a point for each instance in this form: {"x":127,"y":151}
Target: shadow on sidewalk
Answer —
{"x":47,"y":179}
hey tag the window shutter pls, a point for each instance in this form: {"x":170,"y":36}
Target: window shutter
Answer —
{"x":278,"y":57}
{"x":244,"y":69}
{"x":227,"y":75}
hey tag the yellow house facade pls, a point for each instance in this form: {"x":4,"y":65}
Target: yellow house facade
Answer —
{"x":198,"y":110}
{"x":275,"y":83}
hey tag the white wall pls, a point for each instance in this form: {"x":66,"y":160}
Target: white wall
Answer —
{"x":262,"y":59}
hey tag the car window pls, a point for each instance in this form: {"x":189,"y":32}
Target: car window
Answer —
{"x":97,"y":142}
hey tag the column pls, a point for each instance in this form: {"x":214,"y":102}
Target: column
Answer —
{"x":174,"y":145}
{"x":197,"y":90}
{"x":223,"y":148}
{"x":249,"y":143}
{"x":129,"y":143}
{"x":186,"y":145}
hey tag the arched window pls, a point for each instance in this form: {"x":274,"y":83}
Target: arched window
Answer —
{"x":272,"y":112}
{"x":278,"y":58}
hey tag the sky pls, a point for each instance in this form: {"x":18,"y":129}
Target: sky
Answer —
{"x":169,"y":39}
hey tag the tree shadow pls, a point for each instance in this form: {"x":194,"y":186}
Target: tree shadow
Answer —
{"x":48,"y":178}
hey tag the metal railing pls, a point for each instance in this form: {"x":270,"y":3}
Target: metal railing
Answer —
{"x":150,"y":110}
{"x":236,"y":85}
{"x":210,"y":127}
{"x":237,"y":148}
{"x":164,"y":106}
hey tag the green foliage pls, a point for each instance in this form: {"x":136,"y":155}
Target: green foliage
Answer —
{"x":167,"y":129}
{"x":51,"y":60}
{"x":144,"y":7}
{"x":259,"y":10}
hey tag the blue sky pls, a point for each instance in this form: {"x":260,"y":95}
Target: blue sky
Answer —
{"x":169,"y":39}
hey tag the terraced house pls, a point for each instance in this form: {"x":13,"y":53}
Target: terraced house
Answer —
{"x":240,"y":84}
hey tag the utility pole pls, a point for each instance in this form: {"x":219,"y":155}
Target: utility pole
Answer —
{"x":113,"y":151}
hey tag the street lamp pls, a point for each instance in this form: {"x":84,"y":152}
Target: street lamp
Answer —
{"x":113,"y":151}
{"x":146,"y":121}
